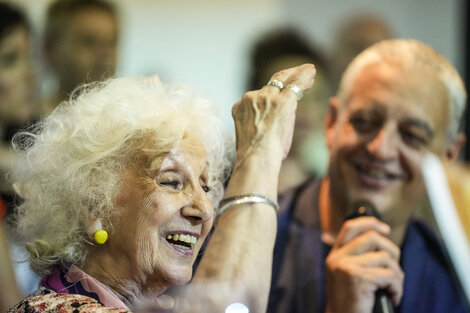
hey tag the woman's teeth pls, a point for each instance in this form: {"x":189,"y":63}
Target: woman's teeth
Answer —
{"x":181,"y":240}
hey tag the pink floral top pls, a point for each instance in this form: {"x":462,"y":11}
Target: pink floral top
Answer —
{"x":70,"y":290}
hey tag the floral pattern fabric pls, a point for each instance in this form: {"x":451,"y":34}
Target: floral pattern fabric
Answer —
{"x":70,"y":290}
{"x":48,"y":301}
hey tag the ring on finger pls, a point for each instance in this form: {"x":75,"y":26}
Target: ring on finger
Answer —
{"x":276,"y":83}
{"x":295,"y":89}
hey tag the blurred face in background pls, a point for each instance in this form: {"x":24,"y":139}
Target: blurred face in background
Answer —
{"x":17,"y":92}
{"x":86,"y":49}
{"x":390,"y":120}
{"x":356,"y":35}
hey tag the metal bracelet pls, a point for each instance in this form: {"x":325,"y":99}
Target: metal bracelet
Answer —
{"x":227,"y":203}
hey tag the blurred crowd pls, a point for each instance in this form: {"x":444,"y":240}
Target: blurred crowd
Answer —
{"x":79,"y":45}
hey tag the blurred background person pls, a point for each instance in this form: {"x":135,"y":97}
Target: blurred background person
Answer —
{"x":80,"y":45}
{"x":166,"y":37}
{"x":284,"y":48}
{"x":353,"y":36}
{"x":17,"y":103}
{"x":17,"y":94}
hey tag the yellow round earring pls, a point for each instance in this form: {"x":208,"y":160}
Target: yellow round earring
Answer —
{"x":101,"y":236}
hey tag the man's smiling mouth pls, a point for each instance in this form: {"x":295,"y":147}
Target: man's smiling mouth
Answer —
{"x":375,"y":172}
{"x":373,"y":176}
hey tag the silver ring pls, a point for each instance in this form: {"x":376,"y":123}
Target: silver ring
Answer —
{"x":276,"y":83}
{"x":295,"y":89}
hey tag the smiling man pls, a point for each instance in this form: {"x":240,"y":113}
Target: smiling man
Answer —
{"x":397,"y":101}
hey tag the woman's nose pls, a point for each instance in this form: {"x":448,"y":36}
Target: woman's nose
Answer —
{"x":200,"y":207}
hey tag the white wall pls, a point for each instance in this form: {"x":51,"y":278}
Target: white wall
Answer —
{"x":200,"y":43}
{"x":434,"y":22}
{"x":205,"y":43}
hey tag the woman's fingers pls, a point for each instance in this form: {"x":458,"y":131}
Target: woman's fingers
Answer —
{"x":264,"y":119}
{"x":293,"y":81}
{"x":302,"y":76}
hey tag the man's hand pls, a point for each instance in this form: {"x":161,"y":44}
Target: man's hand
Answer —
{"x":362,"y":261}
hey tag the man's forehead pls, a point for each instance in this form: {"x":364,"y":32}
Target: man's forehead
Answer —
{"x":417,"y":85}
{"x":409,"y":93}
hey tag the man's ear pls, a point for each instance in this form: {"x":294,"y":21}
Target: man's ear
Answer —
{"x":452,"y":152}
{"x":330,"y":119}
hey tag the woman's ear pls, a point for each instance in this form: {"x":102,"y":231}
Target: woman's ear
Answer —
{"x":330,"y":120}
{"x":452,"y":152}
{"x":94,"y":229}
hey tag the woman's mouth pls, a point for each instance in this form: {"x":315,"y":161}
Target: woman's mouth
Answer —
{"x":182,"y":241}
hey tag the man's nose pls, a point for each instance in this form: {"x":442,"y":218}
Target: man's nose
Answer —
{"x":384,"y":145}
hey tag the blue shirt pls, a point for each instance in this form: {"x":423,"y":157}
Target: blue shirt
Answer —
{"x":298,"y":283}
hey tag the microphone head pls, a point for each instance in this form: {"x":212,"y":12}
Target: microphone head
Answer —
{"x":363,"y":208}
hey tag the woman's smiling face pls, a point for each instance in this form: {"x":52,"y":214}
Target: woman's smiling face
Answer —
{"x":166,"y":216}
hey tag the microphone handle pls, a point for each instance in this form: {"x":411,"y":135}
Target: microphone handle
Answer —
{"x":383,"y":301}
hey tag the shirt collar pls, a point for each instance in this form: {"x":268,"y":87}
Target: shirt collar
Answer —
{"x":74,"y":280}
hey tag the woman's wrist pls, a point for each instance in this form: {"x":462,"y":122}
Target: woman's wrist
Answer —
{"x":259,"y":173}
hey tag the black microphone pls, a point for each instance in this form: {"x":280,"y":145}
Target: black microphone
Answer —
{"x":383,"y":301}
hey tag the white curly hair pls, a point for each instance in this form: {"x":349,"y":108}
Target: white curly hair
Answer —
{"x":412,"y":55}
{"x":70,"y":164}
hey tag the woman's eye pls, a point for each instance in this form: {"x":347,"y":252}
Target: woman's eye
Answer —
{"x":206,"y":189}
{"x":172,"y":184}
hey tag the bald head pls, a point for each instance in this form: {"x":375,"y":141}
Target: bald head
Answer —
{"x":411,"y":56}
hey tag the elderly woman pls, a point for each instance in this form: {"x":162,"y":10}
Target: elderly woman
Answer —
{"x":120,"y":185}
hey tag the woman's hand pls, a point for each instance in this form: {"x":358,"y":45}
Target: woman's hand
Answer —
{"x":264,"y":119}
{"x":238,"y":259}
